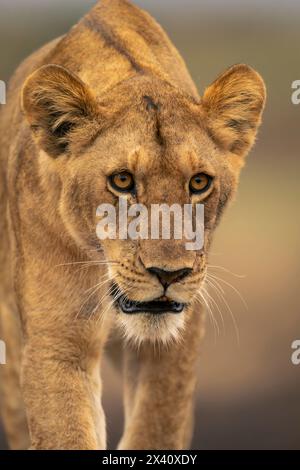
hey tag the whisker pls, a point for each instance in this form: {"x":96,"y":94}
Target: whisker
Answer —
{"x":216,"y":278}
{"x":201,"y":299}
{"x":216,"y":305}
{"x":100,"y":283}
{"x":115,"y":298}
{"x":94,"y":289}
{"x":230,"y":312}
{"x":239,"y":276}
{"x":89,"y":262}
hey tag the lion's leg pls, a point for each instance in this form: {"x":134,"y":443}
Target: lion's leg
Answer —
{"x":60,"y":377}
{"x":62,"y":390}
{"x":62,"y":386}
{"x":159,"y":393}
{"x":12,"y":405}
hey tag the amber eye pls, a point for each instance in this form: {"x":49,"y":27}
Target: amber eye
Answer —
{"x":123,"y":181}
{"x":200,"y":183}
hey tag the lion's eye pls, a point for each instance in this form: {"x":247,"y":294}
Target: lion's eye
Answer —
{"x":123,"y":181}
{"x":200,"y":183}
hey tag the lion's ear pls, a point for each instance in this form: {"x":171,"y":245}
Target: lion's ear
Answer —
{"x":56,"y":102}
{"x":233,"y":107}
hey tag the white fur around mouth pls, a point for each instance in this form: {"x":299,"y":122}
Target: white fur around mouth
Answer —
{"x":165,"y":328}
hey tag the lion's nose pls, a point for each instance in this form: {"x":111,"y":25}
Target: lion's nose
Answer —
{"x":167,"y":277}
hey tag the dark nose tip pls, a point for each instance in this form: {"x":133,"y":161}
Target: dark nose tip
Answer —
{"x":167,"y":277}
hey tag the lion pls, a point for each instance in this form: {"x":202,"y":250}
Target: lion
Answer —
{"x":107,"y":111}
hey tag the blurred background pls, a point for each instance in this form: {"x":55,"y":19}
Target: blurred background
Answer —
{"x":249,"y":391}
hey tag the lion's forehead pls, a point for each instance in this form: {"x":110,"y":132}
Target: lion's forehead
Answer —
{"x":136,"y":148}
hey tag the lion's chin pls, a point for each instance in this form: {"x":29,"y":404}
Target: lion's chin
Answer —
{"x":164,"y":328}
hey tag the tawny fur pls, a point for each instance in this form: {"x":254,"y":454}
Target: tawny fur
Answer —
{"x":112,"y":94}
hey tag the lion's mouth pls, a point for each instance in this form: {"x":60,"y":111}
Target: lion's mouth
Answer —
{"x":156,"y":307}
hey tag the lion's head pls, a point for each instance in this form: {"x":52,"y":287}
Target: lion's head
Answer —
{"x":150,"y":143}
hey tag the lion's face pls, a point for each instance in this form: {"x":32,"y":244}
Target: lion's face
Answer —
{"x":148,"y":144}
